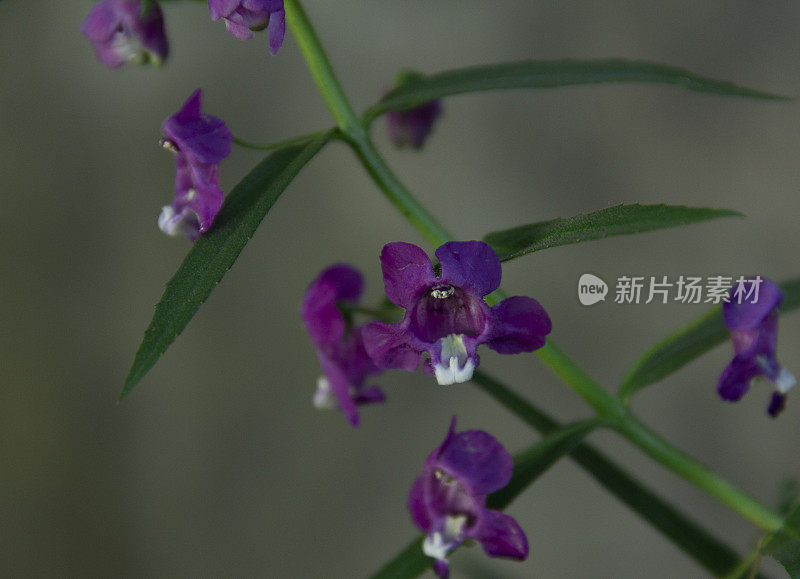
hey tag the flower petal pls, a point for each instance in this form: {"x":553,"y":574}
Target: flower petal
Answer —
{"x":416,"y":506}
{"x":735,"y":379}
{"x":476,"y":459}
{"x":340,"y":387}
{"x":347,"y":280}
{"x":201,"y":138}
{"x":276,"y":30}
{"x":99,"y":25}
{"x":322,"y":318}
{"x":238,"y":29}
{"x":442,"y":568}
{"x":470,"y":264}
{"x":391,"y":346}
{"x":407,"y":271}
{"x":372,"y":395}
{"x":519,"y":324}
{"x":501,"y":536}
{"x":748,"y":315}
{"x":222,"y":8}
{"x":319,"y":312}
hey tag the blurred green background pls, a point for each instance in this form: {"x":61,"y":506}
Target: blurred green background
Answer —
{"x":218,"y":464}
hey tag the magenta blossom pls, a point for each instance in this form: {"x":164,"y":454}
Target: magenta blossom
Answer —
{"x":446,"y":316}
{"x":339,"y":345}
{"x":448,"y":502}
{"x":752,"y":317}
{"x":120,"y":33}
{"x":199,"y":143}
{"x":242,"y":17}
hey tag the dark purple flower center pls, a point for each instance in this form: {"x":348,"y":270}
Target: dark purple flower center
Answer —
{"x":445,"y":310}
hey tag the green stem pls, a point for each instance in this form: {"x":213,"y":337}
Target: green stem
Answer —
{"x":281,"y":144}
{"x":694,"y":472}
{"x":605,"y":404}
{"x":608,"y":407}
{"x":396,"y":192}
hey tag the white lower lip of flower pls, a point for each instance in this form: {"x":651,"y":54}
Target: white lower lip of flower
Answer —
{"x":184,"y":223}
{"x":785,"y":381}
{"x":129,"y":48}
{"x":324,"y":398}
{"x":454,"y":366}
{"x":438,"y":545}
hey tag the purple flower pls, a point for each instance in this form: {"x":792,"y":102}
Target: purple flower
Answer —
{"x":752,"y":317}
{"x":446,"y":316}
{"x":199,"y":143}
{"x":448,"y":502}
{"x":340,"y":348}
{"x":242,"y":17}
{"x":120,"y":33}
{"x":410,"y":127}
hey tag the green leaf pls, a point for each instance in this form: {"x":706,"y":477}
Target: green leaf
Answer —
{"x":532,"y":463}
{"x":552,"y":74}
{"x":617,"y":220}
{"x":685,"y":533}
{"x":214,"y":253}
{"x":784,"y":546}
{"x":528,"y":466}
{"x":680,"y":348}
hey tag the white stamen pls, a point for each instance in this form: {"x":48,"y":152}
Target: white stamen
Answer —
{"x":443,"y":292}
{"x":443,"y":477}
{"x":455,"y":366}
{"x":785,"y":381}
{"x":168,"y":145}
{"x":324,"y":398}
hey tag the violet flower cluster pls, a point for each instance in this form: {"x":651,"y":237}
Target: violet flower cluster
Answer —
{"x":199,"y":142}
{"x":448,"y":502}
{"x":754,"y":331}
{"x":122,"y":33}
{"x":446,"y":318}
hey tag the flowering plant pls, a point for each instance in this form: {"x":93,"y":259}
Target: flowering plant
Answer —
{"x":436,"y":313}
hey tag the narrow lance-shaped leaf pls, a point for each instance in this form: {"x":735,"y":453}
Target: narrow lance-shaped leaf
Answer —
{"x":617,"y":220}
{"x":528,"y":466}
{"x":213,"y":254}
{"x":685,"y":533}
{"x":552,"y":74}
{"x":532,"y":463}
{"x":680,"y":348}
